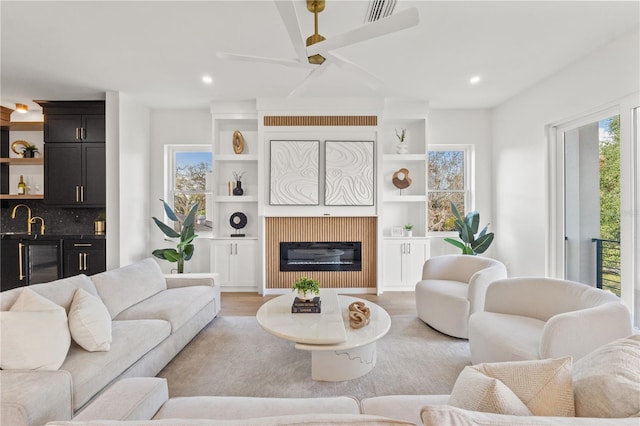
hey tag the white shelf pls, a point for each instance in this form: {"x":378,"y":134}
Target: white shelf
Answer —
{"x":405,"y":198}
{"x":234,"y":157}
{"x":404,"y":157}
{"x":236,"y":199}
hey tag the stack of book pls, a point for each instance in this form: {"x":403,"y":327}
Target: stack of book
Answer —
{"x":306,"y":306}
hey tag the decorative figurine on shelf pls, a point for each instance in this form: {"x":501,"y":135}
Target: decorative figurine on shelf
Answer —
{"x":238,"y":220}
{"x":237,"y":190}
{"x":401,"y":179}
{"x":359,"y":315}
{"x":238,"y":142}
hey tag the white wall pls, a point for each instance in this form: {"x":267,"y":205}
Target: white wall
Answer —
{"x":450,"y":127}
{"x":171,"y":127}
{"x":519,"y":150}
{"x":127,"y":180}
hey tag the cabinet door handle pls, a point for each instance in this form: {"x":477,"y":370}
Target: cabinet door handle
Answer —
{"x":84,"y":259}
{"x":79,"y":261}
{"x":230,"y":249}
{"x":236,"y":249}
{"x":77,"y":194}
{"x":82,"y":193}
{"x":83,"y":133}
{"x":83,"y":245}
{"x":20,"y":270}
{"x":408,"y":248}
{"x":77,"y":133}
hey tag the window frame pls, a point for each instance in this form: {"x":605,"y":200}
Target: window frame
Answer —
{"x":170,"y":151}
{"x":468,"y":182}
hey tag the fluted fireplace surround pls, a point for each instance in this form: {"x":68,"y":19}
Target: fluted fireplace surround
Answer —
{"x":322,"y":229}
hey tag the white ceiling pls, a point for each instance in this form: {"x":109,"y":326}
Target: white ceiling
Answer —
{"x":157,"y":51}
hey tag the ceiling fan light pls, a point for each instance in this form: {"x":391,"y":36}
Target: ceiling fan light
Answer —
{"x":22,"y":108}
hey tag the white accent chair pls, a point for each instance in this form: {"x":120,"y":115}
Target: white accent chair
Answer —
{"x":537,"y":318}
{"x":452,"y":288}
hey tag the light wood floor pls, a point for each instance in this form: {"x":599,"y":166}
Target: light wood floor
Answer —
{"x":247,"y":304}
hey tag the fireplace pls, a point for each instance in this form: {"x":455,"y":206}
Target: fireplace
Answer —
{"x":320,"y":256}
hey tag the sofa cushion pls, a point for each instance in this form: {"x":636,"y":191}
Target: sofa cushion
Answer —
{"x":438,"y":415}
{"x":124,"y":287}
{"x":606,"y":382}
{"x":292,"y":420}
{"x":512,"y":337}
{"x":90,"y":322}
{"x":59,"y":291}
{"x":538,"y":387}
{"x":34,"y":334}
{"x":176,"y":305}
{"x":405,"y":407}
{"x":239,"y":407}
{"x":92,"y":371}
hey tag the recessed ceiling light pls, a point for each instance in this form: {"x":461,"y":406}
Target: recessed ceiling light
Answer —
{"x":475,"y":79}
{"x":207,"y":79}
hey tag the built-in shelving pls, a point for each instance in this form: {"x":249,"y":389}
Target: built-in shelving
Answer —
{"x":23,"y":161}
{"x":21,"y":197}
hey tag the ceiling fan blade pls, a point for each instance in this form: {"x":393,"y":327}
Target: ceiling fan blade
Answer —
{"x":369,"y":79}
{"x":308,"y":79}
{"x":396,"y":22}
{"x":261,"y":59}
{"x":290,"y":20}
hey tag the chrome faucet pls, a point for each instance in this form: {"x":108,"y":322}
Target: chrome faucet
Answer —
{"x":29,"y":220}
{"x":33,"y":220}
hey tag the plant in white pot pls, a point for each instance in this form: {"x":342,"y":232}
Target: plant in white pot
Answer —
{"x":408,"y":230}
{"x":307,"y":288}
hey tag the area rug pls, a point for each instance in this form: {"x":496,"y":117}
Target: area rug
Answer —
{"x":233,"y":356}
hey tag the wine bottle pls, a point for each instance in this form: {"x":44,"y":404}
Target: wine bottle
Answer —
{"x":22,"y":187}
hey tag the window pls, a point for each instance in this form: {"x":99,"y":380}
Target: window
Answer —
{"x":189,"y":174}
{"x":448,"y":180}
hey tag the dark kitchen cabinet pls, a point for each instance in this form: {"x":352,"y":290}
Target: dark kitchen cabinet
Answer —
{"x":84,"y":257}
{"x":75,"y":174}
{"x":30,"y":261}
{"x":73,"y":121}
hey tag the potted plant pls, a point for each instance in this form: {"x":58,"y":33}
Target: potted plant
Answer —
{"x":408,"y":230}
{"x":186,"y":235}
{"x":307,"y":288}
{"x":467,"y":228}
{"x":29,"y":151}
{"x":202,"y":217}
{"x":402,"y":147}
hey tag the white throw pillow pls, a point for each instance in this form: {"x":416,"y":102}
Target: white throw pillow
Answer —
{"x":606,"y":382}
{"x":90,"y":322}
{"x":34,"y":334}
{"x":537,"y":387}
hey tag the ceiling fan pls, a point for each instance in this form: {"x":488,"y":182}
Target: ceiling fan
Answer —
{"x":318,"y":53}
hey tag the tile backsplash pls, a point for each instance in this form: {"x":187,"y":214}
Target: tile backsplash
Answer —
{"x":57,"y":220}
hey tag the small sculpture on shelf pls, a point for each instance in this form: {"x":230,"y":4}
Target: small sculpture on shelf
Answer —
{"x":401,"y":179}
{"x":402,"y":147}
{"x":359,"y":315}
{"x":238,"y":142}
{"x":237,"y":190}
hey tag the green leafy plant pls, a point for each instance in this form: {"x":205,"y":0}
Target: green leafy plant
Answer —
{"x":29,"y":151}
{"x":408,"y":227}
{"x":186,"y":235}
{"x":306,"y":285}
{"x":401,"y":135}
{"x":467,"y":228}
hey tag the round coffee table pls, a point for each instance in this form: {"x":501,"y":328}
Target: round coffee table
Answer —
{"x":338,"y":352}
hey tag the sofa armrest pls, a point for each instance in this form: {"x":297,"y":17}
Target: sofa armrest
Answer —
{"x":479,"y":283}
{"x":135,"y":398}
{"x":188,"y":280}
{"x":579,"y":332}
{"x":35,"y":397}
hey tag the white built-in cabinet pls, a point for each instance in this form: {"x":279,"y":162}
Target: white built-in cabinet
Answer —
{"x":235,"y":260}
{"x":402,"y":262}
{"x":403,"y":257}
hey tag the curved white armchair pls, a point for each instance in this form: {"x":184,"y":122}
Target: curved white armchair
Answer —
{"x":452,"y":288}
{"x":537,"y":318}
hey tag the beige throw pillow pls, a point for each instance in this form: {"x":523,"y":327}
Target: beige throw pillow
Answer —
{"x":34,"y":334}
{"x":606,"y":382}
{"x":538,"y":387}
{"x":90,"y":322}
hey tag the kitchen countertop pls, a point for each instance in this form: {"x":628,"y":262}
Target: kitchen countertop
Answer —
{"x":53,"y":236}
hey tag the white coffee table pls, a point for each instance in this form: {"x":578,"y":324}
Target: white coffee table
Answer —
{"x":338,"y":352}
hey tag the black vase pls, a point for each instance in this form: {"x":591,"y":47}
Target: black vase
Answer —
{"x":238,"y":189}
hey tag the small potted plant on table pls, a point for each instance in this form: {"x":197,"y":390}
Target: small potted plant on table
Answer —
{"x":307,"y":288}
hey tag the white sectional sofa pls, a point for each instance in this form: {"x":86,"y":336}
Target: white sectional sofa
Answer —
{"x":153,"y":318}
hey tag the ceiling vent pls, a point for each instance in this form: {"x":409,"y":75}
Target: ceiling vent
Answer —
{"x":379,"y":9}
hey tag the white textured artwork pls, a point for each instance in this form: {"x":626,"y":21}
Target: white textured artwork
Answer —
{"x":294,"y":173}
{"x":349,"y":170}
